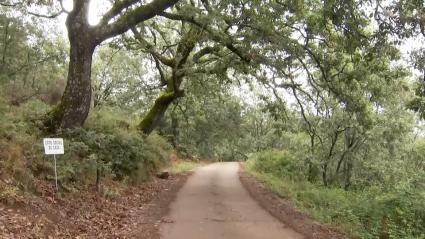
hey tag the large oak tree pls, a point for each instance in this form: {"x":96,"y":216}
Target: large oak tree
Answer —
{"x":84,"y":38}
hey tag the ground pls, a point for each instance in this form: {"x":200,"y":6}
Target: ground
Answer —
{"x":215,"y":202}
{"x":134,"y":213}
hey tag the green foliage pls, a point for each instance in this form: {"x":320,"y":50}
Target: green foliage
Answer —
{"x":207,"y":126}
{"x":116,"y":78}
{"x":107,"y":119}
{"x":369,"y":213}
{"x":183,"y":166}
{"x":32,"y":62}
{"x":279,"y":163}
{"x":109,"y":144}
{"x":325,"y":125}
{"x":108,"y":147}
{"x":19,"y":146}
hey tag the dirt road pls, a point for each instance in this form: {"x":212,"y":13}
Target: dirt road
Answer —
{"x":213,"y":204}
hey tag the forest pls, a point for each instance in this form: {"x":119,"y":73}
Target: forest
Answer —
{"x":322,"y":101}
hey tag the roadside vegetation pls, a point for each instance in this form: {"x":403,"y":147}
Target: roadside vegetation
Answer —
{"x":391,"y":211}
{"x":106,"y":148}
{"x":183,"y":166}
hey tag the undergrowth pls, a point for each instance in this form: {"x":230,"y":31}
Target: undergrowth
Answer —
{"x":367,"y":213}
{"x":183,"y":166}
{"x":108,"y":147}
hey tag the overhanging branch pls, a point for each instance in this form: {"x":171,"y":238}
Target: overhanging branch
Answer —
{"x":224,"y":40}
{"x":131,"y":18}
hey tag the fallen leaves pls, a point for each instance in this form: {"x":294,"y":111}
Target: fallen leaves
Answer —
{"x":88,"y":215}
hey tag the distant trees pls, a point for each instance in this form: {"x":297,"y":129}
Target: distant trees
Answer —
{"x":31,"y":64}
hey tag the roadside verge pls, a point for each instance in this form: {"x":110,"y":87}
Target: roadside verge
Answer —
{"x":136,"y":212}
{"x":284,"y":211}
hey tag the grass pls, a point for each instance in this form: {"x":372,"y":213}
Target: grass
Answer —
{"x":360,"y":214}
{"x":303,"y":196}
{"x":183,"y":166}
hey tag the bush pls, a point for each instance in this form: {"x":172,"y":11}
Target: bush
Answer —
{"x":370,"y":213}
{"x":20,"y":148}
{"x":107,"y":147}
{"x":122,"y":155}
{"x":279,"y":163}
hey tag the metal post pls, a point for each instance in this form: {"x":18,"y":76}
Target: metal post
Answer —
{"x":56,"y":174}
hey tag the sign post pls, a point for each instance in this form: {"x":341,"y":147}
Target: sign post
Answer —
{"x":54,"y":146}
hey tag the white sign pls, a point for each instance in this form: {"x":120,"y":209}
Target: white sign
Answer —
{"x":53,"y":146}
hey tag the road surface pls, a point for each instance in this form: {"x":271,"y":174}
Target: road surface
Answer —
{"x":213,"y":204}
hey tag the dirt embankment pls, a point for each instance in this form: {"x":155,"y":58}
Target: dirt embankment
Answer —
{"x":134,"y":213}
{"x":285,"y":212}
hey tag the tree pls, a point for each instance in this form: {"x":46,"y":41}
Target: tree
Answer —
{"x":186,"y":44}
{"x":31,"y":62}
{"x":76,"y":100}
{"x":207,"y":122}
{"x":171,"y":81}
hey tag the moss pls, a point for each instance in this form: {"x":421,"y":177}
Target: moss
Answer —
{"x":159,"y":107}
{"x":53,"y":119}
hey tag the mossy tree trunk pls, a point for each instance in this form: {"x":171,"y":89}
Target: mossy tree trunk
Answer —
{"x":174,"y":126}
{"x":156,"y":113}
{"x":186,"y":45}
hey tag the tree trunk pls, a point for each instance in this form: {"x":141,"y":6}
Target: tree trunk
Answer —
{"x":75,"y":104}
{"x":76,"y":99}
{"x":310,"y":176}
{"x":324,"y":174}
{"x":174,"y":127}
{"x":348,"y":169}
{"x":155,"y":114}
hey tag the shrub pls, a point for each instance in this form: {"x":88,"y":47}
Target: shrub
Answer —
{"x":371,"y":213}
{"x":279,"y":163}
{"x":19,"y":145}
{"x":120,"y":154}
{"x":106,"y":147}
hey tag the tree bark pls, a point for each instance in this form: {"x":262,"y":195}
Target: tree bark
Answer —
{"x":155,"y":114}
{"x":324,"y":174}
{"x":76,"y":99}
{"x":174,"y":127}
{"x":348,"y":169}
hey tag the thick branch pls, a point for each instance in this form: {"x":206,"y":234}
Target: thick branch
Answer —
{"x":10,"y":4}
{"x":161,"y":72}
{"x":132,"y":17}
{"x":205,"y":51}
{"x":54,"y":15}
{"x":116,"y":9}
